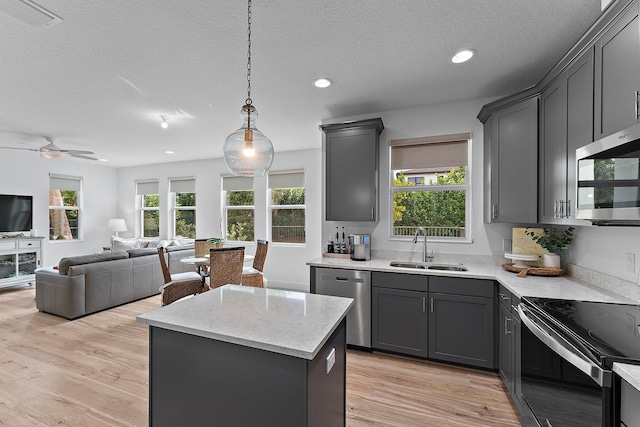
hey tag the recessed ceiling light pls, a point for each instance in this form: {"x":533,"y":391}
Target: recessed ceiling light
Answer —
{"x":168,"y":152}
{"x":322,"y":82}
{"x":463,"y":56}
{"x":103,"y":160}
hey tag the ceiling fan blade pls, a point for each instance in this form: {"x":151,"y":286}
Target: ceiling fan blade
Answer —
{"x":19,"y":148}
{"x":74,"y":152}
{"x":81,"y":156}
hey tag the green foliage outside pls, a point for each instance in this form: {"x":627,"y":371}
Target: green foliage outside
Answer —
{"x":431,"y":208}
{"x":151,"y":219}
{"x":240,"y":222}
{"x":186,"y":219}
{"x":287,"y":225}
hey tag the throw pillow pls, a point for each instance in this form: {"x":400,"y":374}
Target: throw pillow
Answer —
{"x":119,"y":244}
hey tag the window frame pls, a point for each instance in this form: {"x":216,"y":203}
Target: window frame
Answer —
{"x":77,"y":207}
{"x":226,"y":208}
{"x":271,"y":207}
{"x":183,"y":183}
{"x":142,"y":208}
{"x":467,"y":187}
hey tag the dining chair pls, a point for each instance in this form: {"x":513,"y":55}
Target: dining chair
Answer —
{"x":202,"y":247}
{"x":178,"y":285}
{"x":253,"y":276}
{"x":225,"y":266}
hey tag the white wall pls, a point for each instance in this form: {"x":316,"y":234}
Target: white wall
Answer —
{"x":285,"y":266}
{"x":27,"y":173}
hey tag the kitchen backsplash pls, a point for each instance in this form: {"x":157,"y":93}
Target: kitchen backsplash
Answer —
{"x":618,"y":286}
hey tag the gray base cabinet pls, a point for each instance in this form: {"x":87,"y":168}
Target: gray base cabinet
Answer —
{"x":351,"y":151}
{"x":399,"y":314}
{"x":629,"y":409}
{"x":441,"y":318}
{"x":509,"y":343}
{"x":461,"y":323}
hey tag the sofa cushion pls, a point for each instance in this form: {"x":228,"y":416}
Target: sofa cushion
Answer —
{"x":65,"y":263}
{"x":119,"y":244}
{"x":133,"y":253}
{"x":173,"y":248}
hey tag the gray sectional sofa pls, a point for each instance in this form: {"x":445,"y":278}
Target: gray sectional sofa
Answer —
{"x":87,"y":284}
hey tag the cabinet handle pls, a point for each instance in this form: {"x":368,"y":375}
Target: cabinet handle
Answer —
{"x":507,"y":329}
{"x":424,"y":304}
{"x":562,"y":203}
{"x":432,"y":305}
{"x":342,"y":279}
{"x":555,"y":209}
{"x":494,"y":211}
{"x":636,"y":93}
{"x":568,"y":202}
{"x":503,"y":296}
{"x":373,"y":212}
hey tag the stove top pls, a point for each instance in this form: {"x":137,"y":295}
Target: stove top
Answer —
{"x":610,"y":332}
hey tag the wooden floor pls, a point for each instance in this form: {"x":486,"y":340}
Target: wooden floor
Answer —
{"x":94,"y":372}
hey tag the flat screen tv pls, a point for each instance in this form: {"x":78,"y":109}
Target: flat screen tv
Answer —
{"x":16,"y":213}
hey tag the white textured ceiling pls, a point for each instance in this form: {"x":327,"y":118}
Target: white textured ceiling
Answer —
{"x":99,"y":79}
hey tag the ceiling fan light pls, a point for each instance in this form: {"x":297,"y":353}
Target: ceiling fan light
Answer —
{"x":50,"y":155}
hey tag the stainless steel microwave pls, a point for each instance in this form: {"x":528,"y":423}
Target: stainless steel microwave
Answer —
{"x":608,"y":179}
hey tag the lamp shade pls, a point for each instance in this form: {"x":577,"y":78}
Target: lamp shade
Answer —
{"x":116,"y":225}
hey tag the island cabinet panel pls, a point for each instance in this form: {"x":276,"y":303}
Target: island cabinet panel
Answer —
{"x":351,"y":171}
{"x":511,"y":163}
{"x":399,"y":315}
{"x":461,"y":326}
{"x":617,"y":81}
{"x":629,"y":409}
{"x":220,"y":383}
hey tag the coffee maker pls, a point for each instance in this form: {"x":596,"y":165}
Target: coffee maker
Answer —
{"x":360,"y":247}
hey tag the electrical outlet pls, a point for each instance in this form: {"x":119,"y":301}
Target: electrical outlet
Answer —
{"x":506,"y":245}
{"x":630,"y":260}
{"x":631,"y":324}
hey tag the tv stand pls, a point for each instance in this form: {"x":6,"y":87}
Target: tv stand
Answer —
{"x":19,"y":258}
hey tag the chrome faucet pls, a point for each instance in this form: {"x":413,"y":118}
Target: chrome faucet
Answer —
{"x":425,"y":255}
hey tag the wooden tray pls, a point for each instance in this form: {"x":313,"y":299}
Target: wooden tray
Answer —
{"x":332,"y":255}
{"x":534,"y":271}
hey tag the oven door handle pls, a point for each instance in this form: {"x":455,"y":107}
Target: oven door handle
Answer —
{"x":563,"y":348}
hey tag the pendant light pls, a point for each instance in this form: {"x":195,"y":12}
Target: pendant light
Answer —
{"x":247,"y":151}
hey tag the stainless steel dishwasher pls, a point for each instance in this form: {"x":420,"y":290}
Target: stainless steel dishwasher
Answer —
{"x":351,"y":284}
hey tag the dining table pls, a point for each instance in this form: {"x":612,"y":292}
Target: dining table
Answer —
{"x":202,"y":264}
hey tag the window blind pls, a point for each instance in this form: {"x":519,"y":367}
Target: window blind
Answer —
{"x":62,"y":182}
{"x":182,"y":185}
{"x":237,"y":183}
{"x":430,"y":152}
{"x":147,"y":187}
{"x":286,"y":180}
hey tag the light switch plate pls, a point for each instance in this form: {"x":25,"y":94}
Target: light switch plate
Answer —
{"x":331,"y":360}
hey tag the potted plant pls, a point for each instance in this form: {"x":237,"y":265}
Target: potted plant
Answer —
{"x":216,"y":242}
{"x":553,"y":241}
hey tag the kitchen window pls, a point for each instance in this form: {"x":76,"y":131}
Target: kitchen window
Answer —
{"x":431,"y":187}
{"x":238,"y":208}
{"x":148,"y":195}
{"x":287,"y":207}
{"x":182,"y":193}
{"x":65,"y":201}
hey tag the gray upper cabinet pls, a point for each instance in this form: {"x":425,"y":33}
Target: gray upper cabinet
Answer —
{"x":511,"y":162}
{"x":617,"y":80}
{"x":566,"y":123}
{"x":352,"y":170}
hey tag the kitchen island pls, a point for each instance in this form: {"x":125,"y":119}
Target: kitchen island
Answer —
{"x":246,"y":356}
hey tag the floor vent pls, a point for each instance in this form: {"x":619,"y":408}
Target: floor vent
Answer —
{"x":28,"y":12}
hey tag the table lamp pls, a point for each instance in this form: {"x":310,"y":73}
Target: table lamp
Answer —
{"x":116,"y":225}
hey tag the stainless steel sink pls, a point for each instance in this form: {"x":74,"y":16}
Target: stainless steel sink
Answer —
{"x":427,"y":266}
{"x":408,"y":264}
{"x":448,"y":267}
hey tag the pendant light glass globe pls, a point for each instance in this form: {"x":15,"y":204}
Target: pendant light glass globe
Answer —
{"x":247,"y":151}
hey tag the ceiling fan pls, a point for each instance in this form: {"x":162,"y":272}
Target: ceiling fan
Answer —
{"x":52,"y":151}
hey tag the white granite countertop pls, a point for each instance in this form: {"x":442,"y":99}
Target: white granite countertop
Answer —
{"x":563,"y":287}
{"x":631,"y":373}
{"x":292,"y":323}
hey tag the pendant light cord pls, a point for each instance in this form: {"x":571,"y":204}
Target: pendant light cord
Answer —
{"x":248,"y":101}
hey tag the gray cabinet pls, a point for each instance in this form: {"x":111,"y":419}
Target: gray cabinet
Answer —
{"x":617,"y":81}
{"x":351,"y":172}
{"x":399,"y":314}
{"x":566,"y":123}
{"x":629,"y":409}
{"x":511,"y":163}
{"x":461,"y":327}
{"x":509,"y":343}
